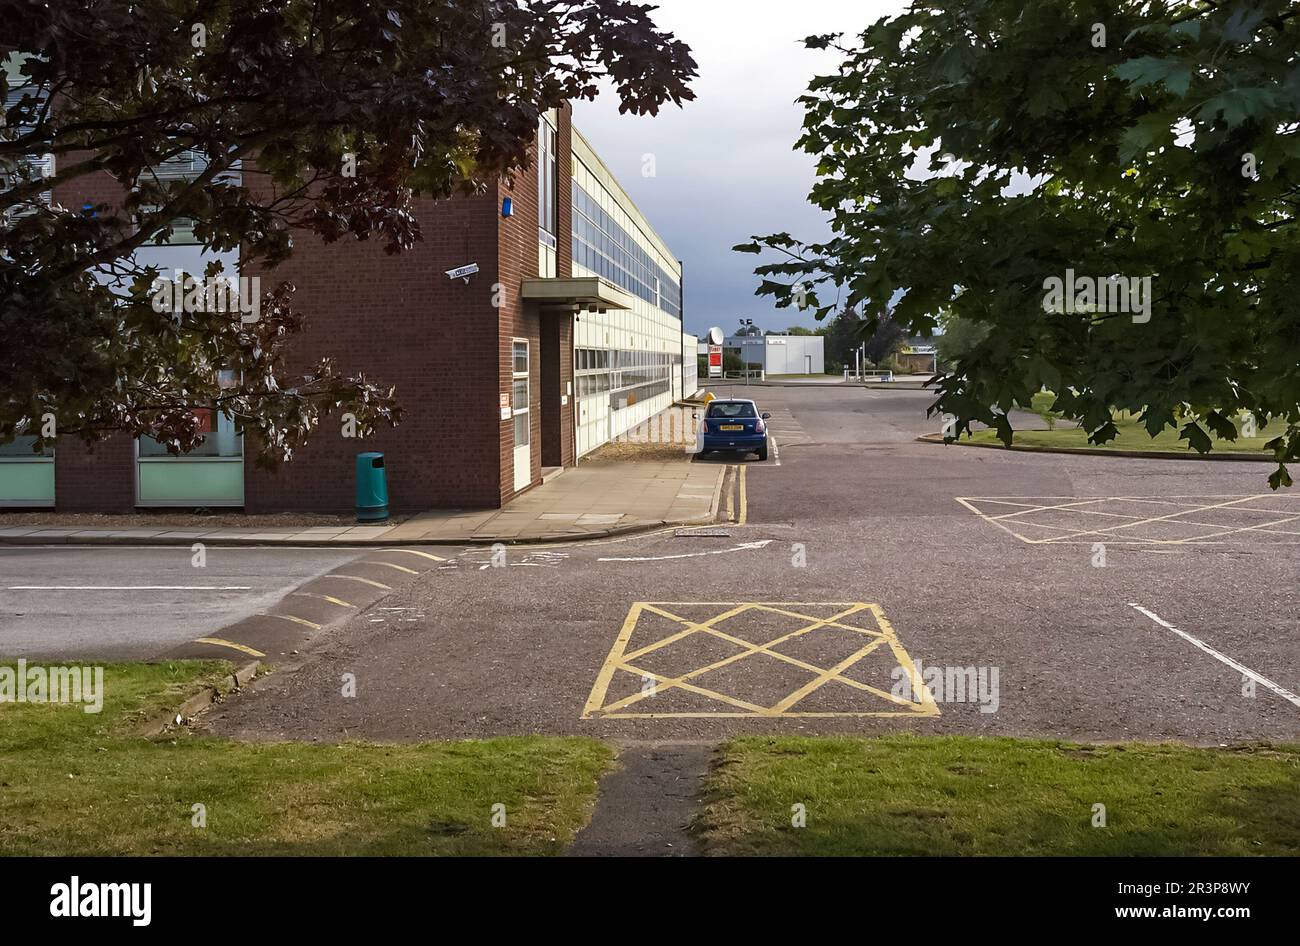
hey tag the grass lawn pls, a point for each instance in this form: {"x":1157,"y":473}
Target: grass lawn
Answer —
{"x":949,"y":795}
{"x":1132,"y":436}
{"x":76,"y":783}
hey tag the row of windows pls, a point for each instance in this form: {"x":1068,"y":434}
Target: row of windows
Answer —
{"x":605,"y":248}
{"x":629,"y":396}
{"x":221,"y":438}
{"x":593,"y":359}
{"x":646,"y":373}
{"x":590,"y":385}
{"x":603,"y":359}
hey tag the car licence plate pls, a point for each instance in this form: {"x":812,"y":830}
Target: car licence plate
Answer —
{"x":732,"y":427}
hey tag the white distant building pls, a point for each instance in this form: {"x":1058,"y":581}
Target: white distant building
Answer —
{"x":781,"y":354}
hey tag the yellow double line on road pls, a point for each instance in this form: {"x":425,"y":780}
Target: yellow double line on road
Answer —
{"x":737,"y":505}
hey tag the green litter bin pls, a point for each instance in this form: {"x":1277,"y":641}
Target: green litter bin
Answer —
{"x":372,"y":488}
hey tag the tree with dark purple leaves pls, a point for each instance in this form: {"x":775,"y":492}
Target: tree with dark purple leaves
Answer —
{"x":320,"y":115}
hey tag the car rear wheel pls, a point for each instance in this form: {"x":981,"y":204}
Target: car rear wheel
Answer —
{"x":762,"y":453}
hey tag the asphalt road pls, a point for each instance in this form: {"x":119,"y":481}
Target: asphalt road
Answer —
{"x":122,"y":603}
{"x":861,"y":553}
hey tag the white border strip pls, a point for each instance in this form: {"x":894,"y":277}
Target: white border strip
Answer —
{"x":1245,"y":671}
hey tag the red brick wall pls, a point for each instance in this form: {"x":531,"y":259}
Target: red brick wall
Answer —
{"x":96,"y":477}
{"x":399,"y":320}
{"x":518,"y":249}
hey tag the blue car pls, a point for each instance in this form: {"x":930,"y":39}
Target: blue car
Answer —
{"x":735,"y":425}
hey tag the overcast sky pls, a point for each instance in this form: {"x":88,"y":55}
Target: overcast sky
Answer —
{"x":725,"y":164}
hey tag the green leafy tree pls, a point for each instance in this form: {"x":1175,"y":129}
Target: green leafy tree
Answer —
{"x":335,"y":113}
{"x":848,"y":331}
{"x":843,"y":335}
{"x":960,"y":338}
{"x":885,"y":341}
{"x":969,"y":152}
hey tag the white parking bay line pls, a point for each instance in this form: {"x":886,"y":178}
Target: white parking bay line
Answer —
{"x":1245,"y":671}
{"x":130,"y":588}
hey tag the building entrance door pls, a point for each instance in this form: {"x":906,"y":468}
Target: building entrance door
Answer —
{"x":521,"y":415}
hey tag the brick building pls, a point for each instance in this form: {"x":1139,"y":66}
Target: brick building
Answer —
{"x":568,"y":334}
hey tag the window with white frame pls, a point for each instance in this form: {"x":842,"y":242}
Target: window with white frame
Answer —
{"x":519,"y":393}
{"x":547,"y":183}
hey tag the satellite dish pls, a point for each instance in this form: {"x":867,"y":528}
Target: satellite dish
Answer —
{"x":715,"y":336}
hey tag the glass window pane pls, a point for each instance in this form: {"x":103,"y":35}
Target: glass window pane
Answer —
{"x":21,"y":448}
{"x":220,"y":439}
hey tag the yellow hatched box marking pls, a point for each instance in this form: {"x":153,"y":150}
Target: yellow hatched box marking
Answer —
{"x":849,"y":616}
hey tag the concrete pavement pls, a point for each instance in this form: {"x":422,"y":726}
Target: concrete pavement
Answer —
{"x":591,"y":500}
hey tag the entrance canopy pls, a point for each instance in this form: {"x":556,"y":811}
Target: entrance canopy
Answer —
{"x":583,"y":293}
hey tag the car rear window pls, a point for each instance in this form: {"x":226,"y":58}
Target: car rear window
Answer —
{"x":731,"y":409}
